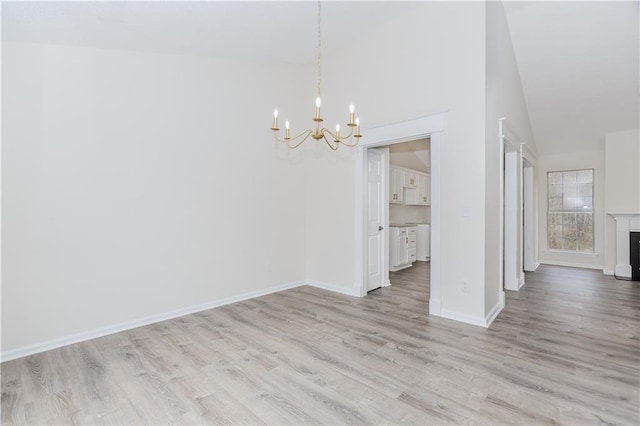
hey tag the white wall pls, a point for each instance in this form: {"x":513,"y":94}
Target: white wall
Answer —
{"x":136,"y":184}
{"x":425,"y":62}
{"x":573,"y":161}
{"x":622,"y":185}
{"x":504,"y":98}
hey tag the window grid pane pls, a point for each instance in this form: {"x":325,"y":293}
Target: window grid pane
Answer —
{"x":570,"y":210}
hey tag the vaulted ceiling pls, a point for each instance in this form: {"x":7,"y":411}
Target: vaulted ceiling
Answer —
{"x":277,"y":30}
{"x":578,"y":61}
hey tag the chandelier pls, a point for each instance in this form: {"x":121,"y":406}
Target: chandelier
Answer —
{"x":332,"y":139}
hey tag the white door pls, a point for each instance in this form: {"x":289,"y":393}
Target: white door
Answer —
{"x":375,"y":218}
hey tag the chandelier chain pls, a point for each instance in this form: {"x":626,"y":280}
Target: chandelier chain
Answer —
{"x":319,"y":47}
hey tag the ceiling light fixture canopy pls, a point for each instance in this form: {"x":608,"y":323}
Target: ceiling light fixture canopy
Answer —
{"x":332,"y":139}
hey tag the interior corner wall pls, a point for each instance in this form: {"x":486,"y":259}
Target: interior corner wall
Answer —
{"x":573,"y":161}
{"x":136,"y":184}
{"x":425,"y":62}
{"x":622,"y":185}
{"x":504,"y":98}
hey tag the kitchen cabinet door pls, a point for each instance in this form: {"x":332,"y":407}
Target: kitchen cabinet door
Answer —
{"x":396,"y":185}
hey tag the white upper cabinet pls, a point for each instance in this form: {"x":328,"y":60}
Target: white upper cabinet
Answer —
{"x":424,"y":190}
{"x":409,"y":187}
{"x":396,"y":186}
{"x":410,"y":179}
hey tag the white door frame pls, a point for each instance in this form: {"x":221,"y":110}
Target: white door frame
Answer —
{"x":420,"y":128}
{"x":530,"y":250}
{"x":514,"y":156}
{"x":512,"y":218}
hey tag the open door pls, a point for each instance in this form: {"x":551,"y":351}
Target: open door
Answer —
{"x":376,"y":188}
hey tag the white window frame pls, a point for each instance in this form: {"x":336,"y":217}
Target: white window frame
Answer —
{"x":575,"y":210}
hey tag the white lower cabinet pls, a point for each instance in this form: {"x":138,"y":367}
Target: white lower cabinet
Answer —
{"x":402,"y":247}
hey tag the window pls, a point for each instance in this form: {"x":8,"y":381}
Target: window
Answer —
{"x":570,"y":210}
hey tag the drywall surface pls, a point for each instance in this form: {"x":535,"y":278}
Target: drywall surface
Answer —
{"x":137,"y":184}
{"x":573,"y":161}
{"x":429,"y":61}
{"x":504,"y":98}
{"x":622,"y":185}
{"x":399,"y":214}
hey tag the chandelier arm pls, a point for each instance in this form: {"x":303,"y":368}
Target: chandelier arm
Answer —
{"x":335,"y":148}
{"x":294,"y":146}
{"x":343,"y":142}
{"x":335,"y":136}
{"x":307,"y":132}
{"x":350,"y":145}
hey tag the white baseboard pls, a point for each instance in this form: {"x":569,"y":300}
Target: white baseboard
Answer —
{"x":495,"y":311}
{"x":535,"y":266}
{"x":458,"y":316}
{"x":572,"y":265}
{"x":128,"y":325}
{"x":334,"y":288}
{"x":520,"y":282}
{"x":607,"y":271}
{"x":471,"y":319}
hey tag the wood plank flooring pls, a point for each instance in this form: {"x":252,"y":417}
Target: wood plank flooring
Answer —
{"x":565,"y":350}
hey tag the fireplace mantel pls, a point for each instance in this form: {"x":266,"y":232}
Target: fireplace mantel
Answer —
{"x":626,"y":222}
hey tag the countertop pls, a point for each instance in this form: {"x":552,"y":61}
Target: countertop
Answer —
{"x":405,"y":225}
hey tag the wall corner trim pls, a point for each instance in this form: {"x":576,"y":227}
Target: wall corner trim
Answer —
{"x":435,"y":307}
{"x":128,"y":325}
{"x":495,"y":311}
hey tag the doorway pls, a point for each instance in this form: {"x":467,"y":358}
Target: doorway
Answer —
{"x":405,"y":229}
{"x":517,"y":212}
{"x":426,"y":127}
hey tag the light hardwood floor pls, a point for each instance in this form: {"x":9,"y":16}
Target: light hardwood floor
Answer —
{"x":565,"y":350}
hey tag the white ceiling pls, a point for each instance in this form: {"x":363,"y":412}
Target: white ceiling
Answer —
{"x":413,"y":155}
{"x":578,"y":60}
{"x":578,"y":63}
{"x":282,"y":31}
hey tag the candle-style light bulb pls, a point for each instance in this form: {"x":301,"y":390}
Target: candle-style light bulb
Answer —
{"x":337,"y":128}
{"x":318,"y":101}
{"x":275,"y":120}
{"x":286,"y":124}
{"x":351,"y":110}
{"x":275,"y":113}
{"x":357,"y":121}
{"x":357,"y":135}
{"x":286,"y":130}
